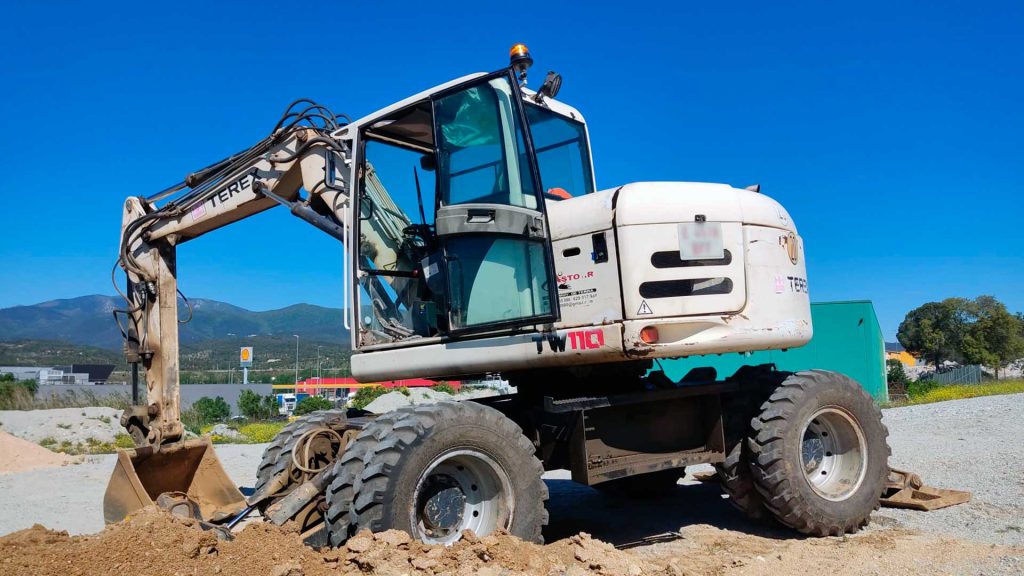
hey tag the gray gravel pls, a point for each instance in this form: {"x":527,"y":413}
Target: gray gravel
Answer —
{"x":75,"y":425}
{"x":417,"y":396}
{"x":394,"y":400}
{"x":975,"y":445}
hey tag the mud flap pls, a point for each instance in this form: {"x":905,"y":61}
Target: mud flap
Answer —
{"x":907,"y":490}
{"x":141,"y":475}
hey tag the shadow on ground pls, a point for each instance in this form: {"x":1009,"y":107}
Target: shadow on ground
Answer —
{"x":629,"y":521}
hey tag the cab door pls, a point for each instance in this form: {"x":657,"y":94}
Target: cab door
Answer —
{"x":490,"y":220}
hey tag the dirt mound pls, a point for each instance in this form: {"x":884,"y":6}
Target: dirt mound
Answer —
{"x":153,"y":542}
{"x":17,"y":455}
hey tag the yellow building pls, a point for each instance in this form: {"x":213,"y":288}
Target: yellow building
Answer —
{"x":903,"y":357}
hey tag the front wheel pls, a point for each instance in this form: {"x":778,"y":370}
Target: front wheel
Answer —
{"x":819,"y":456}
{"x":436,"y":470}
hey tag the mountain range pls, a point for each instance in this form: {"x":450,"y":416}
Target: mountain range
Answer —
{"x":89,"y":321}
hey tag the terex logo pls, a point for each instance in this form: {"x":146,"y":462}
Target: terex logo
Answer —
{"x":578,"y":340}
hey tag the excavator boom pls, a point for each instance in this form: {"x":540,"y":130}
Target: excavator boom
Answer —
{"x":298,"y":156}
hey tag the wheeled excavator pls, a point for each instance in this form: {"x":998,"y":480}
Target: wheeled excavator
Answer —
{"x":476,"y":242}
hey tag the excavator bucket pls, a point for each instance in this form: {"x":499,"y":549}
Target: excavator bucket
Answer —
{"x":907,"y":490}
{"x":190,"y":468}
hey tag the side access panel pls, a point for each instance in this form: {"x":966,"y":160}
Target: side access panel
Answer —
{"x":588,"y":279}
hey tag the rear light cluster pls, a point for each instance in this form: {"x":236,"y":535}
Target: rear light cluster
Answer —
{"x":649,"y":335}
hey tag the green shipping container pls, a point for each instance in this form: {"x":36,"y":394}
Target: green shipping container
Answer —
{"x":847,"y":339}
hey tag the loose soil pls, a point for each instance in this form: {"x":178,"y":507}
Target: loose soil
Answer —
{"x":17,"y":455}
{"x":152,"y":542}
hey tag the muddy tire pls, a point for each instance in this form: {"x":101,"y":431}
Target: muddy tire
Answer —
{"x":737,"y":482}
{"x":277,"y":458}
{"x":734,"y":475}
{"x":436,"y":470}
{"x":643,"y":486}
{"x":819,"y":454}
{"x":277,"y":455}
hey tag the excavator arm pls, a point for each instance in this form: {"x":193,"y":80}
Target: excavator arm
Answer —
{"x":300,"y":155}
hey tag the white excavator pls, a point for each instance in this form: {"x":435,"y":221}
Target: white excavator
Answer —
{"x":475,"y":242}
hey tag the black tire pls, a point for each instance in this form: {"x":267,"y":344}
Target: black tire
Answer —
{"x":787,"y":483}
{"x":348,"y":473}
{"x":643,"y":486}
{"x":376,"y":481}
{"x":277,"y":455}
{"x":734,"y":475}
{"x":737,"y":482}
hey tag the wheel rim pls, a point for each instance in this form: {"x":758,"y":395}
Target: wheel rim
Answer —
{"x":462,"y":489}
{"x":834,"y":453}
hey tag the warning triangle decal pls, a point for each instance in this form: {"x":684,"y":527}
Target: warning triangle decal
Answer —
{"x":644,"y":310}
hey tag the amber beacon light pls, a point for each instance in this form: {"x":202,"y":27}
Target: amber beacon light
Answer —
{"x":520,"y":60}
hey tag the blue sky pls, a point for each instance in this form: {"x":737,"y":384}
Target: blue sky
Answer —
{"x":893,"y":132}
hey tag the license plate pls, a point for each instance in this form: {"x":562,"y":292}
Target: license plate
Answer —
{"x":701,"y":241}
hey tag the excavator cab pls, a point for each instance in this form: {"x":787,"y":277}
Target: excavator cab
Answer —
{"x":477,"y":257}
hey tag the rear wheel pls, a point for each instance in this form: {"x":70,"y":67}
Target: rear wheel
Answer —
{"x":738,"y":482}
{"x":734,"y":475}
{"x":819,"y":454}
{"x":436,"y":470}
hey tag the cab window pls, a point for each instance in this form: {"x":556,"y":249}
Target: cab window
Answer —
{"x":562,"y":153}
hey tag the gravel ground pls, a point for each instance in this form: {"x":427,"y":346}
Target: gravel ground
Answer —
{"x":394,"y":400}
{"x":74,"y":425}
{"x":972,"y":445}
{"x":71,"y":497}
{"x":975,"y":444}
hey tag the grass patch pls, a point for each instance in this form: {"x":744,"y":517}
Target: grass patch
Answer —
{"x":123,"y":440}
{"x":260,"y":432}
{"x":89,"y":446}
{"x":961,"y":391}
{"x":257,"y":432}
{"x":444,"y":387}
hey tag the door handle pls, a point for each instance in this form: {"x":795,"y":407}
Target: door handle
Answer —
{"x":479,"y":216}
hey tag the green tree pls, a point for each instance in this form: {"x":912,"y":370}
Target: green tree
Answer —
{"x":257,"y":407}
{"x":312,"y":404}
{"x":364,"y":396}
{"x":935,"y":330}
{"x":994,"y":336}
{"x":209,"y":410}
{"x":895,"y":375}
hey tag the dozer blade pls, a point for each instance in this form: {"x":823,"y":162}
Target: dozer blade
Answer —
{"x":907,"y":490}
{"x":191,"y":467}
